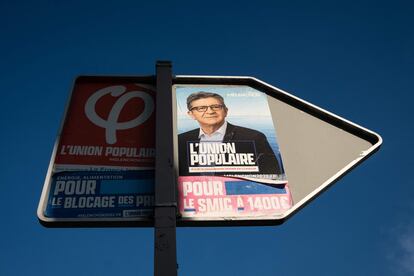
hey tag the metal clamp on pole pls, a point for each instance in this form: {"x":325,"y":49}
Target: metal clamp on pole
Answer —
{"x":165,"y":253}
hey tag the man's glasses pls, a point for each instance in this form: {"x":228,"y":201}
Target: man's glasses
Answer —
{"x":203,"y":108}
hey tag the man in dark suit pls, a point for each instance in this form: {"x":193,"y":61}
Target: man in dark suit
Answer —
{"x":210,"y":111}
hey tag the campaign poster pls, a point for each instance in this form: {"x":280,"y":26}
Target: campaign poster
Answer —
{"x":230,"y":164}
{"x":104,"y":159}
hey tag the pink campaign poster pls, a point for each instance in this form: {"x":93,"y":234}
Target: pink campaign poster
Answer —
{"x":230,"y":164}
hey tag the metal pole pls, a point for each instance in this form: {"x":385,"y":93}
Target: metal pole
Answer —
{"x":165,"y":253}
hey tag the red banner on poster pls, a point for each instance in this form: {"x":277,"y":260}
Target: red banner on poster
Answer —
{"x":108,"y":125}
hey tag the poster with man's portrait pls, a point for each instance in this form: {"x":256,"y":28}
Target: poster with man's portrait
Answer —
{"x":230,"y":164}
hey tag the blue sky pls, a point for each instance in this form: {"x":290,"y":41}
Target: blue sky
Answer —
{"x":354,"y":59}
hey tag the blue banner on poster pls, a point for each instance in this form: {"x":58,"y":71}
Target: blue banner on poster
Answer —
{"x":108,"y":194}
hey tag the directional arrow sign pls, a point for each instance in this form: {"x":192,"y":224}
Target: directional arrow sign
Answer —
{"x":245,"y":153}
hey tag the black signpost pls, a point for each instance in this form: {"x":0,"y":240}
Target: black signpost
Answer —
{"x":165,"y":258}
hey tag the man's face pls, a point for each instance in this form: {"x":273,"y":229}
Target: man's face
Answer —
{"x":213,"y":116}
